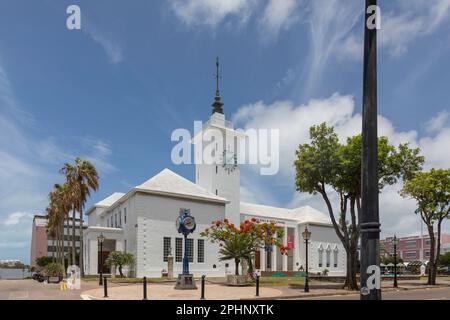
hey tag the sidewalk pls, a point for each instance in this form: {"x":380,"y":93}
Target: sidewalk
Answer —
{"x":215,"y":291}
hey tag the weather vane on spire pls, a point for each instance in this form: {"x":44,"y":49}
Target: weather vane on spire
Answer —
{"x":217,"y":102}
{"x":217,"y":75}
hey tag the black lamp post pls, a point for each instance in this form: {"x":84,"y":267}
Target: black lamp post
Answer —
{"x":394,"y":243}
{"x":306,"y":236}
{"x":370,"y":220}
{"x":101,"y":239}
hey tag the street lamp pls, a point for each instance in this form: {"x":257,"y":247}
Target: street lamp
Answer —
{"x":370,"y":220}
{"x":101,"y":239}
{"x":394,"y":243}
{"x":306,"y":236}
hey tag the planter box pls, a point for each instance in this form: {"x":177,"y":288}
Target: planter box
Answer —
{"x":54,"y":279}
{"x":233,"y":280}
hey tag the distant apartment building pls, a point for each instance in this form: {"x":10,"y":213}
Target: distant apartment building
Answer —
{"x":44,"y":246}
{"x":414,"y":248}
{"x":10,"y":263}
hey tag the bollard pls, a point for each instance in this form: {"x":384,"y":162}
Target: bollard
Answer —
{"x":145,"y":288}
{"x":203,"y":288}
{"x":105,"y":287}
{"x":257,"y":286}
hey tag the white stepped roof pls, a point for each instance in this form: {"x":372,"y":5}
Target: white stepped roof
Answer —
{"x":109,"y":201}
{"x":301,"y":215}
{"x":168,"y":182}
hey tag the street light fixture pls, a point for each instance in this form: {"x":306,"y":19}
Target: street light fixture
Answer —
{"x":306,"y":236}
{"x":101,"y":239}
{"x":394,"y":243}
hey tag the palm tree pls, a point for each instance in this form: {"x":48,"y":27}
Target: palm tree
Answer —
{"x":237,"y":247}
{"x":82,"y":177}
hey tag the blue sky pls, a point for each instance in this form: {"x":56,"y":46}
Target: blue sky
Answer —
{"x":114,"y":91}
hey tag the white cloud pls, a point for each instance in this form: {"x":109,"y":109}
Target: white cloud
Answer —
{"x":436,"y":123}
{"x":279,"y":15}
{"x":211,"y":12}
{"x":14,"y":218}
{"x":112,"y":49}
{"x":339,"y":111}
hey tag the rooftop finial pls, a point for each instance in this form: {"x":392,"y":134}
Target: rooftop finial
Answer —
{"x":217,"y":102}
{"x":217,"y":77}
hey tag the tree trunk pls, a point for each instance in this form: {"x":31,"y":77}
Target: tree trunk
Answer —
{"x":81,"y":245}
{"x":236,"y":266}
{"x":120,"y":271}
{"x":74,"y":256}
{"x":352,"y":265}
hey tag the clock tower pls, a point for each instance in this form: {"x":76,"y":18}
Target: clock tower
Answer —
{"x":218,"y":170}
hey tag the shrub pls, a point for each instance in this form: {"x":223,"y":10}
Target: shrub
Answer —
{"x":325,"y":272}
{"x":120,"y":259}
{"x":53,"y":270}
{"x":43,"y":261}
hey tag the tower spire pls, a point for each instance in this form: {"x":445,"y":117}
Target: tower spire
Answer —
{"x":217,"y":104}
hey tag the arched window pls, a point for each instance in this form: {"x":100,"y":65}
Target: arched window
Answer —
{"x":320,"y":253}
{"x":328,"y":256}
{"x":336,"y":256}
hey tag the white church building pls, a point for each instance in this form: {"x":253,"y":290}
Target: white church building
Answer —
{"x":142,"y":220}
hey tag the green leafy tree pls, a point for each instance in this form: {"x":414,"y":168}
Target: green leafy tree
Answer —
{"x":82,"y":177}
{"x":326,"y":165}
{"x":242,"y":243}
{"x":431,"y":191}
{"x":43,"y":261}
{"x":119,"y":260}
{"x":444,"y":260}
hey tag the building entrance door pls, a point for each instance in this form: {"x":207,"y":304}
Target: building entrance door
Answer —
{"x":258,"y":260}
{"x":101,"y":262}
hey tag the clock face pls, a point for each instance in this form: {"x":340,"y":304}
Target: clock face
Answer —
{"x":189,"y":223}
{"x":229,"y":160}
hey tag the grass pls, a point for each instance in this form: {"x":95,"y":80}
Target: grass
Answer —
{"x":127,"y":280}
{"x":282,"y":281}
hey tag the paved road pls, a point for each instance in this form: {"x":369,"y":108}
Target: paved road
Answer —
{"x":419,"y":294}
{"x":33,"y":290}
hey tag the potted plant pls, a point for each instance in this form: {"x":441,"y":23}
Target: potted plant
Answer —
{"x":240,"y":244}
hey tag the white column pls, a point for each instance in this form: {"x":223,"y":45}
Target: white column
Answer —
{"x":93,"y":265}
{"x":263,"y":260}
{"x":296,"y":249}
{"x":285,"y":257}
{"x":274,"y":258}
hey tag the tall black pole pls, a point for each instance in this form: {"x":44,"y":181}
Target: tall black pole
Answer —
{"x":306,"y":275}
{"x":101,"y":264}
{"x":395,"y":264}
{"x":370,"y":222}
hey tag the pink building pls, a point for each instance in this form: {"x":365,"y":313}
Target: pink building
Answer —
{"x":414,"y":248}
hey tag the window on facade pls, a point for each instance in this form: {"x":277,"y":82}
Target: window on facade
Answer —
{"x":120,"y":218}
{"x":178,"y":249}
{"x":107,"y":222}
{"x":427,"y":242}
{"x":115,"y":220}
{"x":328,"y":258}
{"x":410,"y":255}
{"x":125,"y":246}
{"x":411,"y":244}
{"x":125,"y":215}
{"x":320,"y":258}
{"x":217,"y":169}
{"x":190,"y":249}
{"x":335,"y":258}
{"x":200,"y":250}
{"x":166,"y":248}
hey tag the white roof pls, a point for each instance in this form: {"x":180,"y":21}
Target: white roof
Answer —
{"x":301,"y":215}
{"x":170,"y":183}
{"x":107,"y":202}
